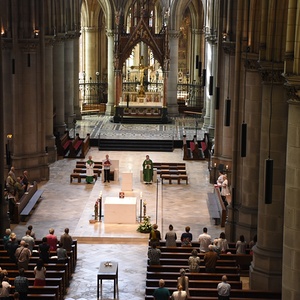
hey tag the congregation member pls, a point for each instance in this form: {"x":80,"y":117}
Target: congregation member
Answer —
{"x":19,"y":188}
{"x":183,"y":281}
{"x":23,"y":255}
{"x":241,"y":245}
{"x":61,"y":253}
{"x":106,"y":164}
{"x":32,"y":233}
{"x":11,"y":247}
{"x":224,"y":289}
{"x":210,"y":259}
{"x":21,"y":285}
{"x":89,"y":171}
{"x":161,"y":293}
{"x":29,"y":240}
{"x":25,"y":180}
{"x":147,"y":170}
{"x":179,"y":294}
{"x":221,"y":243}
{"x":66,"y":240}
{"x":52,"y":240}
{"x":6,"y":237}
{"x":204,"y":240}
{"x":194,"y":262}
{"x":5,"y":289}
{"x":44,"y":250}
{"x":154,"y":255}
{"x":171,"y":237}
{"x":154,"y":236}
{"x":39,"y":273}
{"x":186,"y":237}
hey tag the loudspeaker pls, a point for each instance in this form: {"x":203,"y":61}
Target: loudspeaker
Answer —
{"x":268,"y":181}
{"x":211,"y":85}
{"x":227,"y":112}
{"x":204,"y":77}
{"x":217,"y":98}
{"x":244,"y":140}
{"x":197,"y":61}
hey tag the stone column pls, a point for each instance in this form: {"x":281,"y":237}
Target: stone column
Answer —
{"x":110,"y":74}
{"x":76,"y":77}
{"x":266,"y":267}
{"x":59,"y":87}
{"x":50,"y":138}
{"x":69,"y":83}
{"x":172,"y":78}
{"x":291,"y":248}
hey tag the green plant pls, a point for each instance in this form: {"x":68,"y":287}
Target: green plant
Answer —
{"x":145,"y":226}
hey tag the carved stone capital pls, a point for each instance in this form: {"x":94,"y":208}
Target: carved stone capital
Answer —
{"x":174,"y":34}
{"x":228,"y":47}
{"x":251,"y":61}
{"x":89,"y":29}
{"x":292,"y":86}
{"x":110,"y":33}
{"x":271,"y":73}
{"x":29,"y":45}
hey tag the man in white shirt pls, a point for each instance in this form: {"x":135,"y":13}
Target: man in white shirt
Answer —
{"x":224,"y":289}
{"x":204,"y":240}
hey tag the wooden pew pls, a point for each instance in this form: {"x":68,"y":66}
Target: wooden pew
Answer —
{"x":171,"y":177}
{"x":63,"y":144}
{"x":80,"y":176}
{"x":83,"y":170}
{"x":75,"y":147}
{"x":85,"y":146}
{"x":44,"y":290}
{"x":31,"y":204}
{"x":176,"y":269}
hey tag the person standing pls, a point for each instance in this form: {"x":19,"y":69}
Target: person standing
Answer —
{"x":204,"y":240}
{"x":147,"y":170}
{"x":44,"y":250}
{"x":25,"y":180}
{"x":223,"y":289}
{"x":21,"y":285}
{"x":39,"y":273}
{"x":225,"y":190}
{"x":194,"y":262}
{"x":23,"y":255}
{"x":106,"y":166}
{"x":161,"y":293}
{"x":66,"y":240}
{"x":29,"y":240}
{"x":52,"y":240}
{"x":171,"y":237}
{"x":4,"y":291}
{"x":154,"y":255}
{"x":154,"y":235}
{"x":90,"y":170}
{"x":241,"y":245}
{"x":183,"y":281}
{"x":186,"y":237}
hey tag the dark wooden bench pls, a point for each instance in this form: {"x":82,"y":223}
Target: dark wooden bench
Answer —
{"x":63,"y":144}
{"x":30,"y":205}
{"x":75,"y":147}
{"x":45,"y":290}
{"x":171,"y":177}
{"x":80,"y":176}
{"x":176,"y":268}
{"x":85,"y":146}
{"x":94,"y":108}
{"x":82,"y":164}
{"x":216,"y":207}
{"x":83,"y":170}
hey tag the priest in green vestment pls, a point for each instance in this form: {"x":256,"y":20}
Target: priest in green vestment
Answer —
{"x":147,"y":170}
{"x":90,"y":170}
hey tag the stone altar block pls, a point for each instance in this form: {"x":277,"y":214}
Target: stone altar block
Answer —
{"x":127,"y":180}
{"x":120,"y":210}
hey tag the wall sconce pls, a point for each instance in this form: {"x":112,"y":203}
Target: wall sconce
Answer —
{"x":244,"y":140}
{"x":227,"y":112}
{"x":36,"y":32}
{"x":9,"y":136}
{"x":224,"y":36}
{"x":268,"y":181}
{"x":2,"y":31}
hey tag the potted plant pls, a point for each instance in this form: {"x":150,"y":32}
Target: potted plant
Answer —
{"x":145,"y":226}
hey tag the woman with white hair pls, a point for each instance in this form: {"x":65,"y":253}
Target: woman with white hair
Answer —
{"x":183,"y":280}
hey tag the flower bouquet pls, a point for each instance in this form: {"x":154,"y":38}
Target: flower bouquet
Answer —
{"x":145,"y":226}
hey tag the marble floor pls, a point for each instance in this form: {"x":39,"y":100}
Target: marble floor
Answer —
{"x":66,"y":204}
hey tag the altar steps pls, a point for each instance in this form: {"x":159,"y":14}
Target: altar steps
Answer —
{"x":136,"y":145}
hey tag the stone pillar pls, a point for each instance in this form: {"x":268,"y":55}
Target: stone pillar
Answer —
{"x":76,"y":77}
{"x":50,"y":138}
{"x":266,"y":267}
{"x":291,"y":248}
{"x":69,"y":83}
{"x":110,"y":74}
{"x":59,"y":87}
{"x":172,"y":78}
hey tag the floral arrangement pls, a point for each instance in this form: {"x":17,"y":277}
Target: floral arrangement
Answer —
{"x":145,"y":226}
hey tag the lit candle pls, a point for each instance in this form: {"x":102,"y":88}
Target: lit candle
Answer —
{"x":141,"y":195}
{"x":226,"y":167}
{"x":100,"y":195}
{"x":215,"y":164}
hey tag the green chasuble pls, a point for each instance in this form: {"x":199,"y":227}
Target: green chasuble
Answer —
{"x":148,"y":170}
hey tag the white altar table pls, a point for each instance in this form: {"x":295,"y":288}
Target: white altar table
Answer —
{"x":120,"y":210}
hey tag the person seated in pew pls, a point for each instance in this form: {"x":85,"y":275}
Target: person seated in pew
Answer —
{"x":241,"y":245}
{"x":224,"y":289}
{"x":39,"y":273}
{"x":171,"y":237}
{"x":61,"y":253}
{"x":161,"y":293}
{"x":183,"y":280}
{"x":4,"y":291}
{"x":194,"y":262}
{"x":186,"y":238}
{"x":154,"y":255}
{"x":210,"y":259}
{"x":179,"y":294}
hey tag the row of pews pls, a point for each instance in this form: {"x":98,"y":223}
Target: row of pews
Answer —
{"x":202,"y":285}
{"x":58,"y":274}
{"x":72,"y":148}
{"x":171,"y":171}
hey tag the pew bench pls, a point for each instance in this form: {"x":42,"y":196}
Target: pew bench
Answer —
{"x":75,"y":147}
{"x":83,"y":170}
{"x":176,"y":268}
{"x":80,"y":176}
{"x":172,"y":177}
{"x":30,"y":205}
{"x":45,"y":290}
{"x":63,"y":144}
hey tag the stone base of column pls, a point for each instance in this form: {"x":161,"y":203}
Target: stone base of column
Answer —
{"x":173,"y":110}
{"x":60,"y":128}
{"x":51,"y":149}
{"x":77,"y":113}
{"x":109,"y":110}
{"x":206,"y":122}
{"x":265,"y":272}
{"x":36,"y":164}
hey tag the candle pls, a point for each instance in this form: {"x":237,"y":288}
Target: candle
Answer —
{"x":215,"y":165}
{"x":226,"y":167}
{"x":100,"y":195}
{"x":141,"y":195}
